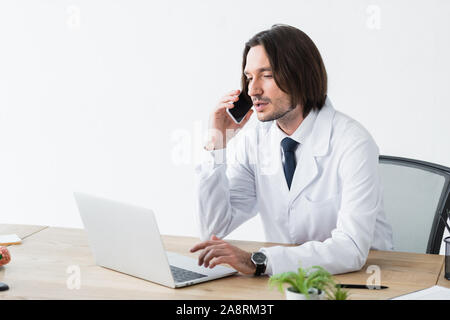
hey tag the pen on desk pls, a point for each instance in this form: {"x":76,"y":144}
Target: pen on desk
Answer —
{"x":361,"y":286}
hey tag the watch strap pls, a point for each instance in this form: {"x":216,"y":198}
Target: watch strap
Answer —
{"x":260,"y":268}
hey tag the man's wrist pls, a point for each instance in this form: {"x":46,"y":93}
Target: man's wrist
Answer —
{"x":209,"y":146}
{"x":216,"y":140}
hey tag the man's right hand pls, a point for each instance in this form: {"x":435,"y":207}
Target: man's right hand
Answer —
{"x":221,"y":127}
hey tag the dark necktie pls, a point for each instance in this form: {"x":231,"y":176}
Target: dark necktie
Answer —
{"x":289,"y":147}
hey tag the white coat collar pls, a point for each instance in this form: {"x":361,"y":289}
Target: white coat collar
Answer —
{"x":321,"y":131}
{"x":316,"y":145}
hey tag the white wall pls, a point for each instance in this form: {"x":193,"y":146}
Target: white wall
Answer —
{"x":112,"y":97}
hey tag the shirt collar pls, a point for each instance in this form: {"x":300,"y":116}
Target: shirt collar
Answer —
{"x":303,"y":130}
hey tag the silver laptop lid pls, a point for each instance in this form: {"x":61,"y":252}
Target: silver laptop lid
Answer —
{"x":125,"y":238}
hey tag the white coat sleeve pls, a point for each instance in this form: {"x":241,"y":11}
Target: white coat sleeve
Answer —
{"x":348,"y":247}
{"x":226,"y":192}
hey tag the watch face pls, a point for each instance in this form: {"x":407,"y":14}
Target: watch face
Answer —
{"x":259,"y":257}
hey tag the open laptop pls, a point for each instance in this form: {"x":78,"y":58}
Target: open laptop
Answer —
{"x":126,"y":238}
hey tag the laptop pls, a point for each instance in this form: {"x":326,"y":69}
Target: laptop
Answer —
{"x":126,"y":238}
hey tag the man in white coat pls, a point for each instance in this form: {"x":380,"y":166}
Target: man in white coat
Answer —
{"x":310,"y":171}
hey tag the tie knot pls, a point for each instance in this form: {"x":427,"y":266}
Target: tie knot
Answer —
{"x":289,"y":145}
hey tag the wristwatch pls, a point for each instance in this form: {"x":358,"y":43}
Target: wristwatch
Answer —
{"x":260,"y":261}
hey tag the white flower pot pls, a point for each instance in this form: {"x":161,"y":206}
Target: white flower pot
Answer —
{"x":313,"y":295}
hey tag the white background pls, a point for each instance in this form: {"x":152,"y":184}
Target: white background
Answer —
{"x":112,"y":97}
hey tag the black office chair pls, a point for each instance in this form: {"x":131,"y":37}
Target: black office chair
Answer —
{"x":415,"y":194}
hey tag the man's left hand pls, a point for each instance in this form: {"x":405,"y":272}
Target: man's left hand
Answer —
{"x":217,"y":251}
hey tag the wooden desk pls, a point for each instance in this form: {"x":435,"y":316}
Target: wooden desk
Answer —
{"x":39,"y":270}
{"x":23,"y":231}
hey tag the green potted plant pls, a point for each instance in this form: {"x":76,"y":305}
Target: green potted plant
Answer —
{"x":313,"y":283}
{"x":338,"y":294}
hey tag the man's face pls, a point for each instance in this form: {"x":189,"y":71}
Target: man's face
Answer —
{"x":270,"y":102}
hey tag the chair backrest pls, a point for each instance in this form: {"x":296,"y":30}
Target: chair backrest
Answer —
{"x":415,"y":194}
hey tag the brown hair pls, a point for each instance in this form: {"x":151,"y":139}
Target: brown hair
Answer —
{"x":297,"y":66}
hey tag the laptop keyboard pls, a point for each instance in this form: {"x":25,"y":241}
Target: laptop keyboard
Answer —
{"x":182,"y":275}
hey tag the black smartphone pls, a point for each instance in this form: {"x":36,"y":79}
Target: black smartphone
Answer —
{"x":241,"y":107}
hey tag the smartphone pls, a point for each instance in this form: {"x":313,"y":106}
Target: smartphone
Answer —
{"x":241,"y":107}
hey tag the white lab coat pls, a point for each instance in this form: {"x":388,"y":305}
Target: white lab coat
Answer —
{"x":333,"y":211}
